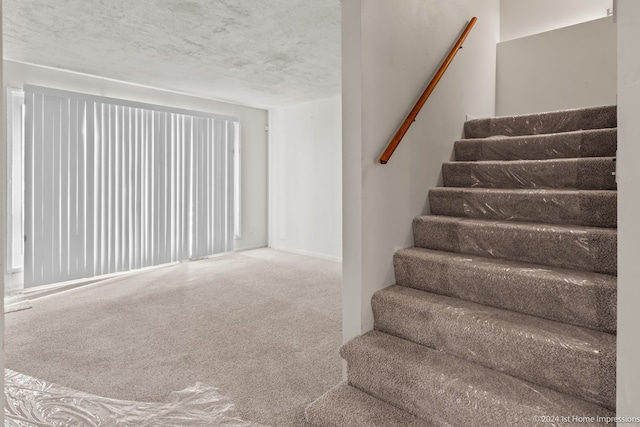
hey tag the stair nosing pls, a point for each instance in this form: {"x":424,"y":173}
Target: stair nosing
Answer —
{"x":517,"y":224}
{"x":492,"y":138}
{"x":565,"y":110}
{"x":521,"y":161}
{"x":522,"y":190}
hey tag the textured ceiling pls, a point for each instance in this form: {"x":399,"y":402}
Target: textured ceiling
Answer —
{"x":255,"y":52}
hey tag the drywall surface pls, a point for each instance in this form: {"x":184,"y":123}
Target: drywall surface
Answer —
{"x":3,"y":151}
{"x":628,"y":370}
{"x":521,"y":18}
{"x":390,"y":52}
{"x":566,"y":68}
{"x":253,"y":121}
{"x":305,"y":174}
{"x":352,"y":171}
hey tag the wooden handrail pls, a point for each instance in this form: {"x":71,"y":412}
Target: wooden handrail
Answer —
{"x":384,"y":158}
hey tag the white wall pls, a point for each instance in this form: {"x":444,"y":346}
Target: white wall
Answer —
{"x":520,"y":18}
{"x":305,"y":173}
{"x":390,"y":51}
{"x":3,"y":151}
{"x":252,"y":121}
{"x":628,"y":370}
{"x":570,"y":67}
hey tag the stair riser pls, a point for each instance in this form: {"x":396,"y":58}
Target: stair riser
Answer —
{"x":574,"y":361}
{"x":446,"y":391}
{"x":592,"y":143}
{"x":589,"y":249}
{"x":588,"y":208}
{"x":535,"y":124}
{"x":582,"y":174}
{"x":581,"y":299}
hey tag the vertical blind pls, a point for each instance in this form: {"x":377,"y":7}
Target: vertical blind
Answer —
{"x":112,"y":185}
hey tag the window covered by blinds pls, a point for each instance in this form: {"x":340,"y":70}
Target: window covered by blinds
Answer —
{"x":15,"y":180}
{"x":112,"y":185}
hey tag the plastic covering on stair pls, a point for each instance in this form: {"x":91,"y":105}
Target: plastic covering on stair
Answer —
{"x":578,"y":144}
{"x":543,"y":123}
{"x":479,"y":241}
{"x":503,"y":207}
{"x":581,"y":298}
{"x":487,"y":335}
{"x":525,"y":174}
{"x":537,"y":124}
{"x":30,"y":402}
{"x":533,"y":147}
{"x":428,"y":382}
{"x":577,"y":248}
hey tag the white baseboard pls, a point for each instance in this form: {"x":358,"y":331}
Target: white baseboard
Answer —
{"x":308,"y":253}
{"x":249,"y":248}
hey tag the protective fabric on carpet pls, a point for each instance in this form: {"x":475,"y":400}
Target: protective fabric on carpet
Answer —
{"x":262,"y":325}
{"x":29,"y":401}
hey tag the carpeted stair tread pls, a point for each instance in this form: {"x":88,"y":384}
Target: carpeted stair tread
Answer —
{"x":449,"y":391}
{"x":576,"y":247}
{"x":582,"y":143}
{"x":569,"y":359}
{"x":589,"y":173}
{"x":595,"y":208}
{"x":543,"y":123}
{"x":346,"y":406}
{"x":574,"y":297}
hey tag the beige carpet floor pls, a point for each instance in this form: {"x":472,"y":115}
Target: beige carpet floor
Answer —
{"x":262,"y":326}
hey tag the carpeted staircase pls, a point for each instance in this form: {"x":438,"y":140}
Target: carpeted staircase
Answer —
{"x":505,"y":309}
